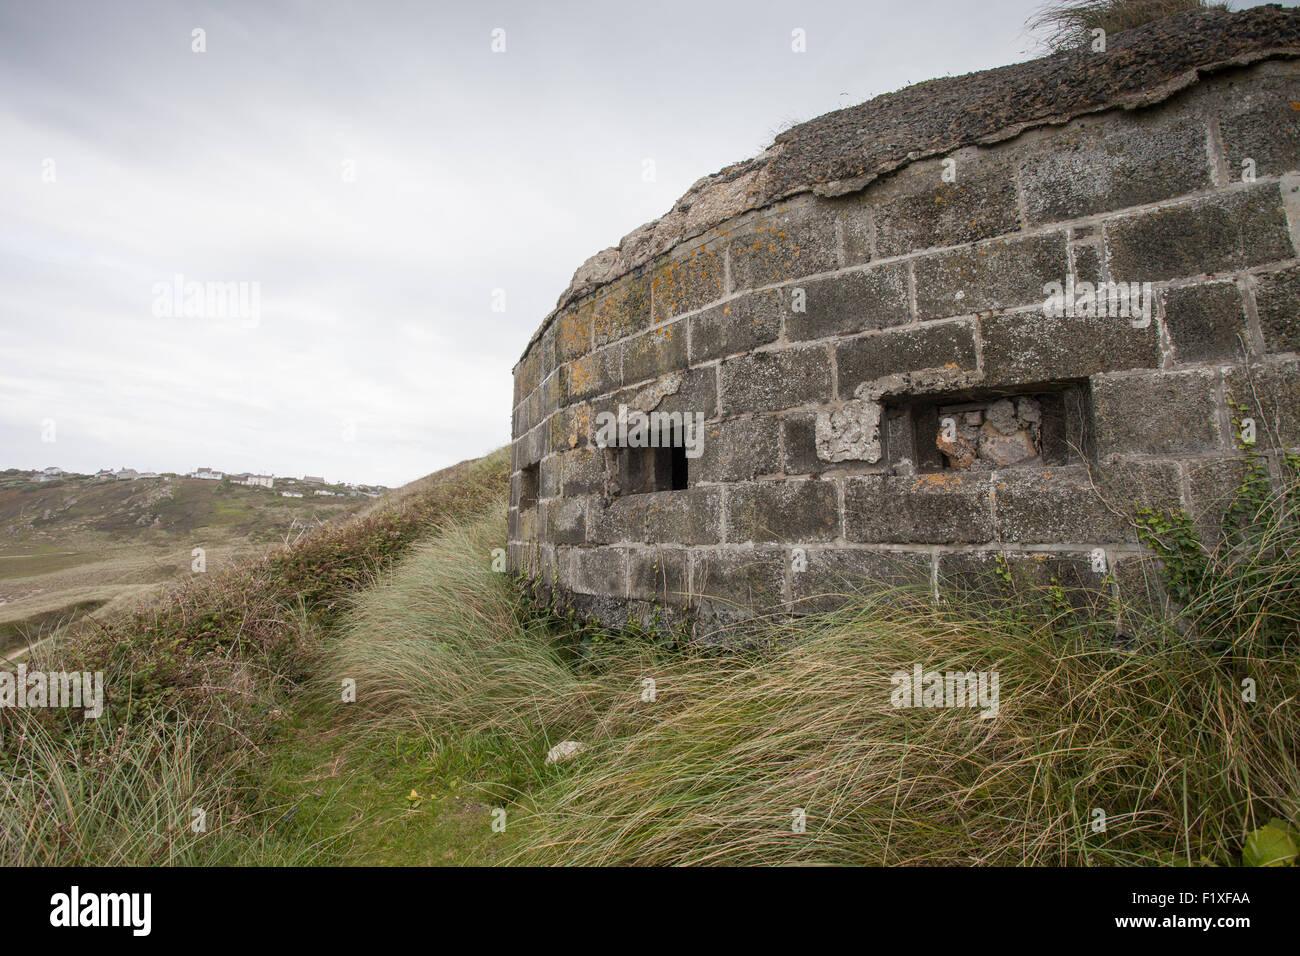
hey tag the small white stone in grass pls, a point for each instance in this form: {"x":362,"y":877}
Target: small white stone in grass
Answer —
{"x":564,"y":750}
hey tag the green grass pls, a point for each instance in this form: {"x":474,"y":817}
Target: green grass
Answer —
{"x":351,"y":799}
{"x":125,"y":795}
{"x":234,"y":697}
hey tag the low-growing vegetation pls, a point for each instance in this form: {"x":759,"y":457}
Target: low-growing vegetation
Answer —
{"x":196,"y":685}
{"x":1177,"y":746}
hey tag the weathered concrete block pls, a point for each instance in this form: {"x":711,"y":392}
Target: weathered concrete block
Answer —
{"x":527,"y":375}
{"x":689,"y":516}
{"x":1265,"y":132}
{"x":738,"y":450}
{"x":910,"y":349}
{"x":547,"y":569}
{"x":1156,"y":413}
{"x":1001,"y":274}
{"x":1270,"y":393}
{"x":853,"y":302}
{"x":655,"y":353}
{"x":1025,"y":347}
{"x":1219,"y":234}
{"x":1207,"y":322}
{"x":570,"y":427}
{"x":1087,"y":257}
{"x":1062,"y":506}
{"x":573,"y":332}
{"x":776,"y":379}
{"x":1277,"y":296}
{"x":545,"y":349}
{"x":996,"y":579}
{"x":548,"y":477}
{"x":1212,"y":486}
{"x":525,"y":416}
{"x":740,"y":325}
{"x":834,"y":576}
{"x":685,"y":393}
{"x":915,"y":209}
{"x":620,"y":309}
{"x":698,"y":392}
{"x":594,"y":374}
{"x":564,"y":520}
{"x":596,"y":571}
{"x":790,"y":241}
{"x":529,"y":448}
{"x":1106,"y":163}
{"x":799,"y":439}
{"x":921,"y":509}
{"x":552,"y":391}
{"x":621,"y":519}
{"x":799,"y":510}
{"x":659,"y":574}
{"x":601,"y":609}
{"x":739,"y":583}
{"x":581,"y":472}
{"x":512,"y":522}
{"x":688,"y":283}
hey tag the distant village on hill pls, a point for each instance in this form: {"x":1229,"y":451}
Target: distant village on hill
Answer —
{"x":286,"y":487}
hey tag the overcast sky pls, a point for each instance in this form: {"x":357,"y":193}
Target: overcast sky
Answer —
{"x":377,"y":171}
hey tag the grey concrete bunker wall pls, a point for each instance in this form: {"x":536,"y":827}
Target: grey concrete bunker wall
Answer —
{"x":886,"y":398}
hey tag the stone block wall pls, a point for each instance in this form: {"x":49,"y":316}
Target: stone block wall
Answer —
{"x":887,"y":399}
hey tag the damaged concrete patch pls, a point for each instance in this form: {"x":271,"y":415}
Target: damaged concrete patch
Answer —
{"x":649,"y":397}
{"x":849,"y":433}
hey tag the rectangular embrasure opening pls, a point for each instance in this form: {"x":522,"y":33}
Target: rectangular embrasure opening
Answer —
{"x":644,"y":470}
{"x":528,"y":482}
{"x":1038,"y":425}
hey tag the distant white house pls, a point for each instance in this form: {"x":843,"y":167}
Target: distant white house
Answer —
{"x":259,"y":481}
{"x":208,"y":474}
{"x":54,"y":472}
{"x":147,"y":474}
{"x":126,"y":474}
{"x":313,"y":480}
{"x":104,"y":474}
{"x":291,"y":494}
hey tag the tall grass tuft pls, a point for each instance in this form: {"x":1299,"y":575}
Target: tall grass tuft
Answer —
{"x":126,"y":796}
{"x":1068,"y":24}
{"x":1161,"y":742}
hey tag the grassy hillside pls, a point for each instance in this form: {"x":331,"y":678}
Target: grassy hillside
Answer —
{"x":231,"y":697}
{"x":78,"y":545}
